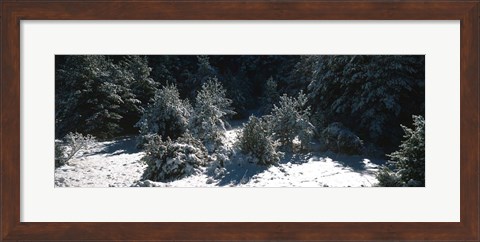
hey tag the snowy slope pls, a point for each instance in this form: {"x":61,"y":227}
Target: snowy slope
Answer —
{"x":117,"y":164}
{"x":112,"y":163}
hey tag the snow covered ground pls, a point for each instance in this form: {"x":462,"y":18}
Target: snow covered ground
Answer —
{"x":107,"y":164}
{"x":117,"y":164}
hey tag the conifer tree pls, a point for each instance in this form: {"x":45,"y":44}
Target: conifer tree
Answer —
{"x":370,"y":95}
{"x":164,"y":69}
{"x":137,"y":89}
{"x":88,"y":96}
{"x":409,"y":160}
{"x":271,"y":96}
{"x":167,"y":116}
{"x":257,"y":140}
{"x":239,"y":89}
{"x":290,"y":120}
{"x":407,"y":164}
{"x":211,"y":110}
{"x":138,"y":71}
{"x":204,"y":72}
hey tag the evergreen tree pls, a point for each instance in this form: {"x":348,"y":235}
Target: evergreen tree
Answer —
{"x":167,"y":116}
{"x":211,"y":110}
{"x":409,"y":160}
{"x":174,"y":69}
{"x":256,"y":140}
{"x":127,"y":75}
{"x":238,"y":88}
{"x":138,"y":72}
{"x":371,"y":95}
{"x":281,"y":71}
{"x":407,"y":164}
{"x":304,"y":70}
{"x":387,"y":178}
{"x":290,"y":120}
{"x":88,"y":96}
{"x":205,"y":71}
{"x":163,"y":69}
{"x":270,"y":95}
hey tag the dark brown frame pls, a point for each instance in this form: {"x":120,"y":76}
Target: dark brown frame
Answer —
{"x":13,"y":11}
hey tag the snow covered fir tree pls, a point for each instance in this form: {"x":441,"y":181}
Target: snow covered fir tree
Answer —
{"x":239,"y":121}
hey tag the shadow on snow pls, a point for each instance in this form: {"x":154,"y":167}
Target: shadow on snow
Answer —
{"x":240,"y":171}
{"x":356,"y":163}
{"x":126,"y":145}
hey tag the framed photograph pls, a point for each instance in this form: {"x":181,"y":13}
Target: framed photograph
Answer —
{"x":253,"y":120}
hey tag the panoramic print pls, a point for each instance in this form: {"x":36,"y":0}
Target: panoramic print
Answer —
{"x":239,"y":121}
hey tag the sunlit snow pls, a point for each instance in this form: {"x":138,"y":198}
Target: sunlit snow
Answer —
{"x":118,"y":164}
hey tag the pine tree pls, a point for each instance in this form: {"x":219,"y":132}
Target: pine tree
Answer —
{"x":256,"y":140}
{"x":371,"y":95}
{"x":387,"y":178}
{"x":290,"y":120}
{"x":167,"y":116}
{"x":138,"y":72}
{"x":126,"y":75}
{"x":88,"y":96}
{"x":239,"y":89}
{"x":205,"y":71}
{"x":271,"y":96}
{"x":304,"y":71}
{"x":407,"y":164}
{"x":164,"y":68}
{"x":211,"y":110}
{"x":409,"y":160}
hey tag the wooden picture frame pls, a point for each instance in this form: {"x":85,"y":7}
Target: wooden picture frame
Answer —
{"x":14,"y":11}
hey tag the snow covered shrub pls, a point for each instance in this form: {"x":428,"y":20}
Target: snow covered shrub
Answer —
{"x":59,"y":154}
{"x":219,"y":160}
{"x":72,"y":143}
{"x":211,"y":110}
{"x":388,"y":178}
{"x":256,"y":140}
{"x":318,"y":120}
{"x":290,"y":120}
{"x":409,"y":160}
{"x":170,"y":160}
{"x":338,"y":138}
{"x":166,"y":116}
